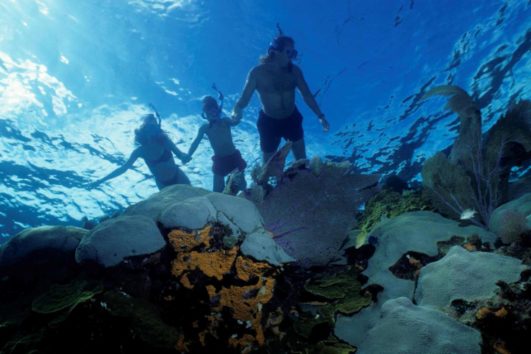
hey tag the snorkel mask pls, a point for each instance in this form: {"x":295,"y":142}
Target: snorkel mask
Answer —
{"x":155,"y":116}
{"x":211,"y":110}
{"x":150,"y":125}
{"x":280,"y":42}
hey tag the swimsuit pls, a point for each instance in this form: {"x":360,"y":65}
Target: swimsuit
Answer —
{"x":223,"y":165}
{"x":178,"y":177}
{"x":272,"y":130}
{"x":164,"y":157}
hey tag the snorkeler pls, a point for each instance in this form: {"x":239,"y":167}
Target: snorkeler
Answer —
{"x":276,"y":79}
{"x":226,"y":157}
{"x":156,"y":148}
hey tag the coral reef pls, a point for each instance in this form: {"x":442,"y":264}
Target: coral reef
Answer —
{"x":455,"y":276}
{"x":67,"y":296}
{"x":388,"y":204}
{"x":504,"y":319}
{"x":476,"y":173}
{"x":414,"y":329}
{"x":310,"y":214}
{"x":342,"y":292}
{"x":447,"y":185}
{"x":512,"y":220}
{"x":237,"y":286}
{"x":115,"y":239}
{"x":225,"y":288}
{"x":61,"y":240}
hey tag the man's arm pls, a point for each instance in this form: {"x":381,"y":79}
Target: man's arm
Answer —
{"x":197,"y":140}
{"x":309,"y":99}
{"x":248,"y":89}
{"x":129,"y":163}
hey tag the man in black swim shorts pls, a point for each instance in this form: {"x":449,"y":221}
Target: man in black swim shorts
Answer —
{"x":276,"y":79}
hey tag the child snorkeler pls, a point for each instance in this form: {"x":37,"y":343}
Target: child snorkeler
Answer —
{"x":227,"y":159}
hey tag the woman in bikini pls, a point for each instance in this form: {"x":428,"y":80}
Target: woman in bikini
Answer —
{"x":156,"y":148}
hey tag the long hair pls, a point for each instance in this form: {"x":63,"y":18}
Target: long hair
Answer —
{"x":277,"y":44}
{"x":149,"y":132}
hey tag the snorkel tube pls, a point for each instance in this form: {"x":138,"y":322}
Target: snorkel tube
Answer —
{"x":155,"y":113}
{"x":220,"y":97}
{"x":279,"y":29}
{"x":213,"y":101}
{"x":278,"y":44}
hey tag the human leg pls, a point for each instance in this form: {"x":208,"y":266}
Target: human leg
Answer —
{"x":182,"y":178}
{"x":266,"y":156}
{"x":294,"y":132}
{"x":270,"y":135}
{"x":219,"y":183}
{"x":299,"y":149}
{"x":179,"y":177}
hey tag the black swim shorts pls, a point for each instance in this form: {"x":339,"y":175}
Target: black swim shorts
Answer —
{"x":272,"y":130}
{"x":223,"y":165}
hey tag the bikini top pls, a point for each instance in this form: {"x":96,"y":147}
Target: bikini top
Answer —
{"x":164,"y":157}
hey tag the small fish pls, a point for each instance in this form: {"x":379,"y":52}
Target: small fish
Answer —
{"x":468,"y":214}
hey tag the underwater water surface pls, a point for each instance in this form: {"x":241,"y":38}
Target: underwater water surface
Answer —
{"x":76,"y":75}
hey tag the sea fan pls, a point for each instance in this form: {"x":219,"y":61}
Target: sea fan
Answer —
{"x":476,"y":174}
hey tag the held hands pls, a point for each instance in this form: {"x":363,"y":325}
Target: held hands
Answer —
{"x":236,"y":117}
{"x":186,"y":158}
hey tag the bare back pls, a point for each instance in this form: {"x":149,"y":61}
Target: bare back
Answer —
{"x":220,"y":137}
{"x":276,"y":87}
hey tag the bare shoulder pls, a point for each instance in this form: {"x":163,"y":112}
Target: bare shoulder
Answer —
{"x":166,"y":141}
{"x":259,"y":70}
{"x":259,"y":67}
{"x":296,"y":70}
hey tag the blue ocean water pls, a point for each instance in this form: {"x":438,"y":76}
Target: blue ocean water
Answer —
{"x":76,"y":75}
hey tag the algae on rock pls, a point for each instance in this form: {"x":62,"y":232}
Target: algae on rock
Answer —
{"x":388,"y":204}
{"x":67,"y":296}
{"x":342,"y":292}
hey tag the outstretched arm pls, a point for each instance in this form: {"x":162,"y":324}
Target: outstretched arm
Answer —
{"x":197,"y":140}
{"x":248,"y":89}
{"x":309,"y":99}
{"x":129,"y":163}
{"x":180,"y":155}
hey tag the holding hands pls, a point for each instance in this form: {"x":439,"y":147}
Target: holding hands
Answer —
{"x":186,"y":158}
{"x":236,"y":117}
